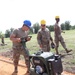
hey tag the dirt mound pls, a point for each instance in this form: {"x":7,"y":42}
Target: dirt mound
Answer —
{"x":7,"y":54}
{"x":7,"y":68}
{"x":68,"y":61}
{"x":67,"y":66}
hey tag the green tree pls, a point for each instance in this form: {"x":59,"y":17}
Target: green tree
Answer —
{"x":51,"y":27}
{"x":11,"y":30}
{"x":73,"y":27}
{"x":7,"y":33}
{"x":62,"y":26}
{"x":67,"y":25}
{"x":31,"y":30}
{"x":1,"y":34}
{"x":36,"y":27}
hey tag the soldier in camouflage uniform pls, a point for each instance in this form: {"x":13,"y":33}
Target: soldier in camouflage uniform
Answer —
{"x":18,"y":49}
{"x":2,"y":40}
{"x":44,"y":37}
{"x":58,"y":36}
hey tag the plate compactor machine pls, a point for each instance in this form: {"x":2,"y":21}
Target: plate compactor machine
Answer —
{"x":45,"y":63}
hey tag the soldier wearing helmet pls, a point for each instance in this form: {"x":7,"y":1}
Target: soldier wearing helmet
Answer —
{"x":58,"y":36}
{"x":18,"y":49}
{"x":44,"y":37}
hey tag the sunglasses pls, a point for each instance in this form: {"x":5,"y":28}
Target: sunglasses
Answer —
{"x":43,"y":25}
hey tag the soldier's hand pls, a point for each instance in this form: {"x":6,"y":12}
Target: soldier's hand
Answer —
{"x":52,"y":45}
{"x":28,"y":38}
{"x":18,"y":39}
{"x":40,"y":46}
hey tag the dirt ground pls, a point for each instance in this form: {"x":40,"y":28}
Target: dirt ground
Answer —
{"x":6,"y":67}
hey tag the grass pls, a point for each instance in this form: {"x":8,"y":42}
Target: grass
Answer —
{"x":7,"y":47}
{"x":68,"y":60}
{"x":69,"y":37}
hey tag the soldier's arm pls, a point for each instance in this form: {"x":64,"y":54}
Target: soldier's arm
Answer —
{"x":39,"y":38}
{"x":61,"y":30}
{"x":50,"y":37}
{"x":27,"y":38}
{"x":13,"y":37}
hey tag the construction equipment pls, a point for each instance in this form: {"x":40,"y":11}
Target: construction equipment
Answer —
{"x":45,"y":63}
{"x":23,"y":41}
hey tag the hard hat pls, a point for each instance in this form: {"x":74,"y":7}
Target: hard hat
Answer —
{"x":27,"y":23}
{"x":56,"y":17}
{"x":43,"y":22}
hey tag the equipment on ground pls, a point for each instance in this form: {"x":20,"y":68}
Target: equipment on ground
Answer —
{"x":45,"y":63}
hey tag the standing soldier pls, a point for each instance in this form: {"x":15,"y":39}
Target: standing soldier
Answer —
{"x":2,"y":40}
{"x":58,"y":36}
{"x":44,"y":37}
{"x":18,"y":48}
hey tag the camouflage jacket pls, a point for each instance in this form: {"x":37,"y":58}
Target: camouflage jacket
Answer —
{"x":44,"y":36}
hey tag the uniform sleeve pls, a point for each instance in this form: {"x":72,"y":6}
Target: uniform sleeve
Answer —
{"x":14,"y":32}
{"x":39,"y":37}
{"x":50,"y":36}
{"x":49,"y":33}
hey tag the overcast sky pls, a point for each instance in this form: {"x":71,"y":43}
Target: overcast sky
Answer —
{"x":14,"y":12}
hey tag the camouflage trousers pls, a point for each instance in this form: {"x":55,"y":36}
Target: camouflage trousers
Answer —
{"x":61,"y":40}
{"x":17,"y":51}
{"x":46,"y":47}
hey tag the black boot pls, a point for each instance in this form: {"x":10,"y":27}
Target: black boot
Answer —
{"x":67,"y":51}
{"x":15,"y":71}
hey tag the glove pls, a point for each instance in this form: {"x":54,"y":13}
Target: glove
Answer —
{"x":52,"y":45}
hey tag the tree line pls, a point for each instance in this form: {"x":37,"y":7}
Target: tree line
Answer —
{"x":34,"y":29}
